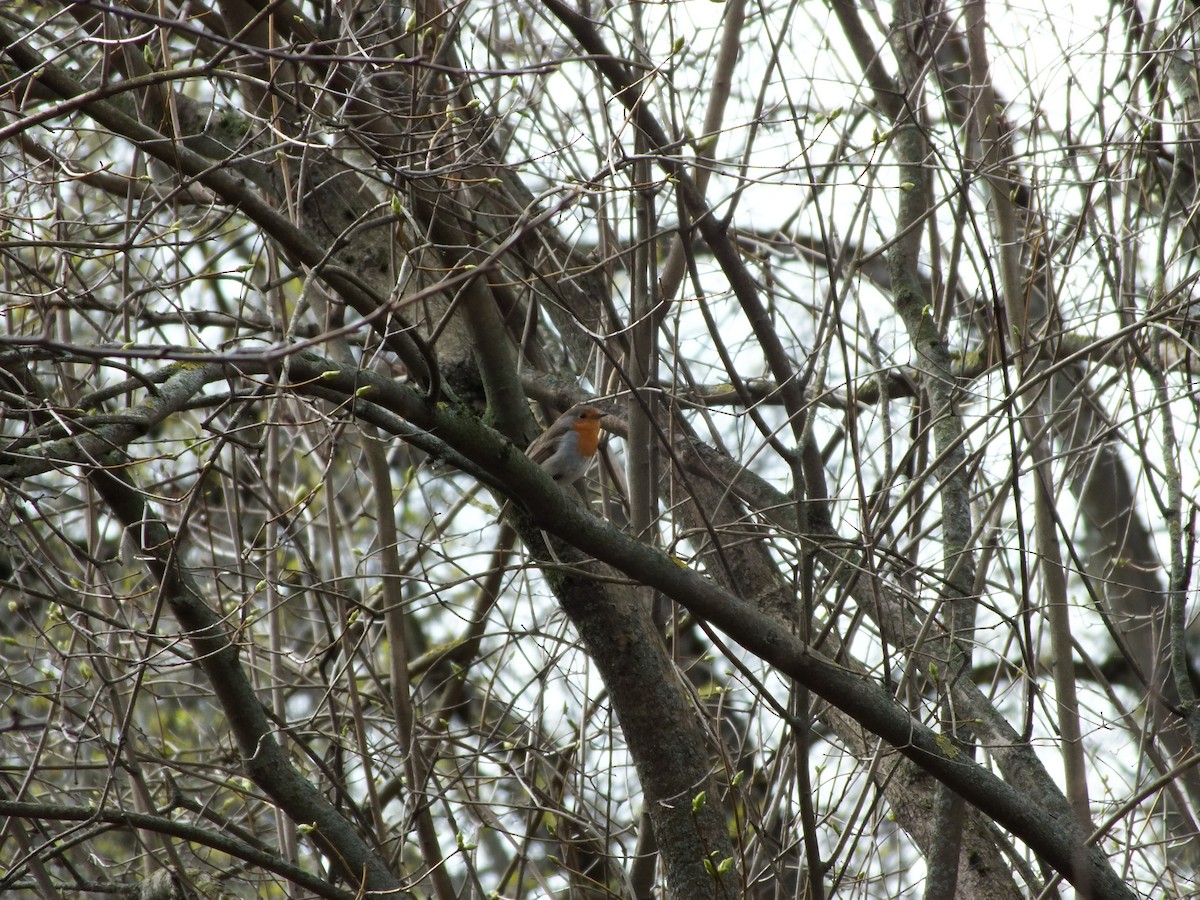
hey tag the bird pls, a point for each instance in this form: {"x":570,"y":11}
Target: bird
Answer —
{"x":566,"y":449}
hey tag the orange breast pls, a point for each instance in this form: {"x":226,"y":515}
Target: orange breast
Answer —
{"x":589,"y":435}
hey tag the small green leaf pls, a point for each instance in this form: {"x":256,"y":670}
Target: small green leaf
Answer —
{"x":699,"y":802}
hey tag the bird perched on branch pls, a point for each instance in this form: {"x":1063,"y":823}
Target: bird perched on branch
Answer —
{"x":566,"y":449}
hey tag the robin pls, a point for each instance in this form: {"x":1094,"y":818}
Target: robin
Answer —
{"x":566,"y":449}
